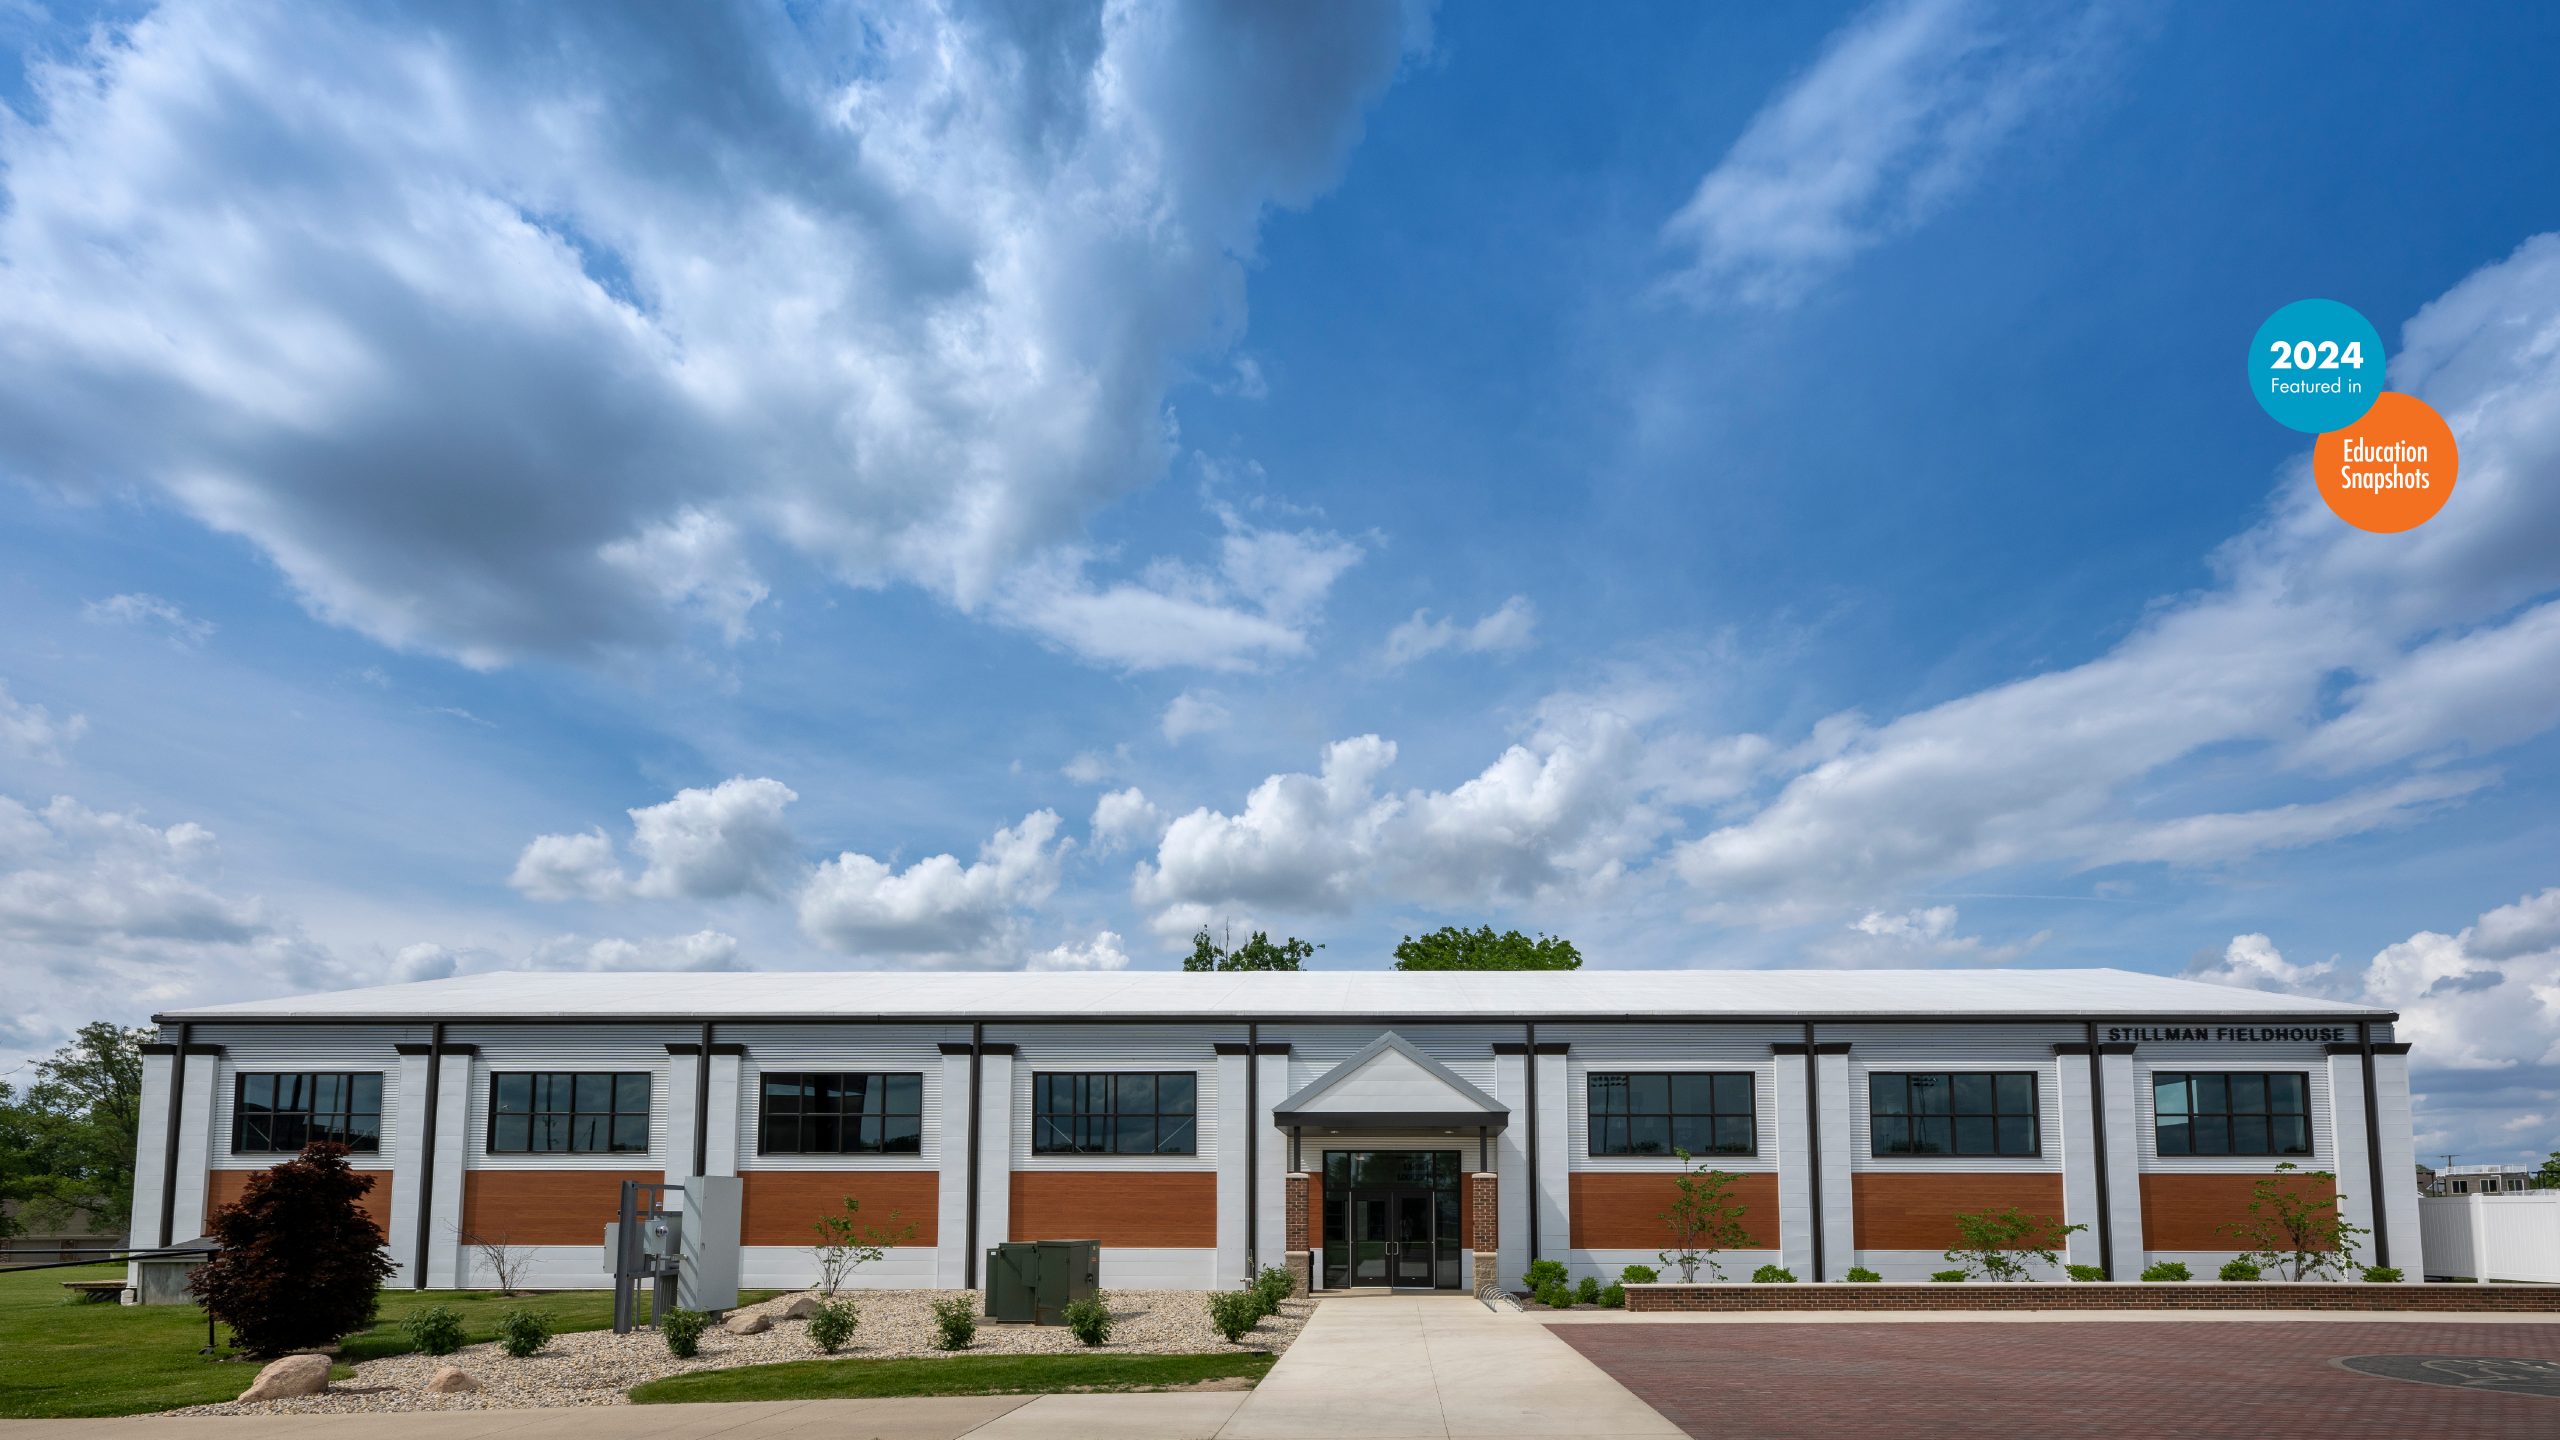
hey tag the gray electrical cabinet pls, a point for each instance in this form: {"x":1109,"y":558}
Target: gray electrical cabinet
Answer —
{"x":707,"y":1254}
{"x":1032,"y":1282}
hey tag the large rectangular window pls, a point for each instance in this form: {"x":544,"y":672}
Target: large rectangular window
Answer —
{"x":278,"y":1114}
{"x":1115,"y":1113}
{"x":564,"y":1113}
{"x":1951,"y":1113}
{"x":2231,"y":1112}
{"x":864,"y":1114}
{"x":1704,"y":1114}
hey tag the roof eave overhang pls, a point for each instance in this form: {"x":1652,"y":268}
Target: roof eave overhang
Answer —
{"x":1366,"y":1121}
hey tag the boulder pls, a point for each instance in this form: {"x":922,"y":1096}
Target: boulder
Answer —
{"x":800,"y":1308}
{"x":451,"y":1380}
{"x":293,"y":1375}
{"x":749,"y":1323}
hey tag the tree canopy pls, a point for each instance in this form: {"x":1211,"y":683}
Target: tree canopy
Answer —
{"x":1258,"y":953}
{"x":66,"y":1145}
{"x":1450,"y":948}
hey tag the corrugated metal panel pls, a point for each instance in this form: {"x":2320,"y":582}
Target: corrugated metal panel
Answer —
{"x":1315,"y":1049}
{"x":1888,"y":1048}
{"x":915,"y":1050}
{"x":570,"y":1047}
{"x":2309,"y":1061}
{"x":295,"y":1048}
{"x":1088,"y":1048}
{"x":1668,"y":1048}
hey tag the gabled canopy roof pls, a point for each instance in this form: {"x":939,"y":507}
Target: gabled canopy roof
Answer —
{"x":1391,"y":1085}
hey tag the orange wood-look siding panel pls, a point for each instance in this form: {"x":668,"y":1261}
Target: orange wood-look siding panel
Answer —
{"x":545,"y":1207}
{"x":1918,"y":1211}
{"x":1117,"y":1207}
{"x":1466,"y":1208}
{"x":2187,"y":1212}
{"x":781,"y":1207}
{"x":225,"y":1187}
{"x":1622,"y":1210}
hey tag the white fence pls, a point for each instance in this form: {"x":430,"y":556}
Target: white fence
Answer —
{"x":2492,"y":1237}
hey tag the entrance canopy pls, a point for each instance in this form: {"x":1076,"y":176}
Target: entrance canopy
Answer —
{"x":1391,"y":1085}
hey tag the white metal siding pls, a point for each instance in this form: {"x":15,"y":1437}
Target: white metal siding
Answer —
{"x":1969,"y":1048}
{"x":1088,"y":1049}
{"x":1315,"y":1049}
{"x":908,"y":1050}
{"x":2309,"y":1061}
{"x":571,"y":1048}
{"x":302,"y":1049}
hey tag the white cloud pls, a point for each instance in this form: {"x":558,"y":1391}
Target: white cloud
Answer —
{"x":702,"y":950}
{"x":1124,"y":818}
{"x":1897,"y":116}
{"x":424,"y":961}
{"x":2486,"y":998}
{"x":31,"y":730}
{"x":938,"y":911}
{"x":1102,"y":952}
{"x":602,"y":310}
{"x":150,"y":611}
{"x":1089,"y":767}
{"x":705,"y":844}
{"x":2252,"y":962}
{"x":1509,"y":628}
{"x":1194,"y":712}
{"x":2087,"y":765}
{"x":1923,"y":935}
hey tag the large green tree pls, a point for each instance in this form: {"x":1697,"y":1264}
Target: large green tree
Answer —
{"x":67,"y":1144}
{"x":1450,"y":948}
{"x":1258,"y":953}
{"x":2548,"y":1177}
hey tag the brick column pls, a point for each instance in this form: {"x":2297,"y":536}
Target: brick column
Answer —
{"x":1298,"y":1255}
{"x":1486,"y":1242}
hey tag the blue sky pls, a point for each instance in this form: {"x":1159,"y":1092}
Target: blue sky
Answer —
{"x":932,"y":488}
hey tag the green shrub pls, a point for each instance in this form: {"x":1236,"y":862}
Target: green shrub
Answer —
{"x":1090,"y":1319}
{"x":523,"y":1332}
{"x":832,"y":1326}
{"x":683,"y":1329}
{"x":1557,"y":1296}
{"x":1613,"y":1296}
{"x":1233,"y":1312}
{"x":1773,"y":1275}
{"x":1588,"y":1292}
{"x":2382,"y":1274}
{"x":1863,"y":1276}
{"x":436,"y":1330}
{"x":1947,"y":1277}
{"x":1274,"y":1284}
{"x":1638,"y":1275}
{"x":1541,"y":1274}
{"x":2167,"y":1270}
{"x":2084,"y":1272}
{"x":2240,"y":1268}
{"x":957,"y":1321}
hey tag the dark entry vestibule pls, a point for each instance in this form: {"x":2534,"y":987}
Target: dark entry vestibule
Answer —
{"x":1391,"y":1219}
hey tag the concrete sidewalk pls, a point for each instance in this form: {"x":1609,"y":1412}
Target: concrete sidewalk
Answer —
{"x":1436,"y":1368}
{"x":1178,"y":1416}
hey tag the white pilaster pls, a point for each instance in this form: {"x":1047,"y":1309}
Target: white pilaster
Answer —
{"x":195,"y":1146}
{"x":721,"y":1150}
{"x":1790,"y":1070}
{"x":951,"y":1144}
{"x":995,"y":1152}
{"x":1271,"y":1149}
{"x":455,"y":1129}
{"x":2396,"y":1124}
{"x":1555,"y":1155}
{"x":1511,"y":1164}
{"x":408,"y":1165}
{"x":2124,"y":1159}
{"x":2074,"y":1071}
{"x":1839,"y":1201}
{"x":151,"y":1150}
{"x":2354,"y":1160}
{"x":683,"y":1069}
{"x":1233,"y":1128}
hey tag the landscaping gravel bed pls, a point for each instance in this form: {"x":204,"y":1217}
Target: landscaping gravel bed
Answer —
{"x":598,"y":1367}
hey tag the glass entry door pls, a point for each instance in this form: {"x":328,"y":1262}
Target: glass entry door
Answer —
{"x":1411,"y":1261}
{"x":1391,"y":1219}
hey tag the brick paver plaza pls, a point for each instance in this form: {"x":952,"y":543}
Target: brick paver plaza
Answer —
{"x":2245,"y":1380}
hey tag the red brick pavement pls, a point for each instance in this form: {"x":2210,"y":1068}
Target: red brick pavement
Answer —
{"x":2247,"y":1380}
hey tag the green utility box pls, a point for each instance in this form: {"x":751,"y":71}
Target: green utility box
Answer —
{"x":1032,"y":1282}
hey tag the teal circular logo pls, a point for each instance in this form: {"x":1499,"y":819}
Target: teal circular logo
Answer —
{"x":2316,"y":366}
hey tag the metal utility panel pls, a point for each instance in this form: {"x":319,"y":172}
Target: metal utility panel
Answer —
{"x":1013,"y":1274}
{"x":1070,"y":1270}
{"x":707,"y":1272}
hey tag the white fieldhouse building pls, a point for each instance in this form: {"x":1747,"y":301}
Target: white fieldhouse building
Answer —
{"x":1366,"y":1128}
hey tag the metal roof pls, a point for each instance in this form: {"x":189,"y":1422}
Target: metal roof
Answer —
{"x":1306,"y":995}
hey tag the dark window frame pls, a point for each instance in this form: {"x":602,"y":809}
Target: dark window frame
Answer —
{"x":344,"y":1114}
{"x":2231,"y":1115}
{"x":568,"y":1118}
{"x":880,"y":1086}
{"x":1597,"y":1119}
{"x":1905,"y":1120}
{"x":1080,"y":1128}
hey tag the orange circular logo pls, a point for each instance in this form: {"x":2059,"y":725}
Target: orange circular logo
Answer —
{"x":2390,"y":471}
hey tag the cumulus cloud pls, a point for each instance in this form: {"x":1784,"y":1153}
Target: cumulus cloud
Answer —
{"x":1511,"y":627}
{"x":30,"y":730}
{"x":150,"y":612}
{"x":1194,"y":712}
{"x":600,"y":311}
{"x":702,"y":950}
{"x":705,"y":844}
{"x":2252,"y":962}
{"x":1898,"y":115}
{"x":938,"y":911}
{"x":1124,"y":818}
{"x":2047,"y":769}
{"x":1102,"y":952}
{"x":1923,"y":935}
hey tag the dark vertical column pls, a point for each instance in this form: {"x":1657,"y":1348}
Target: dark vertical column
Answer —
{"x":1252,"y":1151}
{"x":1531,"y":1060}
{"x":702,"y":1103}
{"x":2373,"y":1150}
{"x":2098,"y":1120}
{"x":427,"y":1155}
{"x":977,"y":1052}
{"x":169,"y":1152}
{"x":1813,"y":1140}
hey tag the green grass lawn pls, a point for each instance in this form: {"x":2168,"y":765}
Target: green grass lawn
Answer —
{"x":958,"y":1375}
{"x":59,"y":1357}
